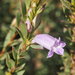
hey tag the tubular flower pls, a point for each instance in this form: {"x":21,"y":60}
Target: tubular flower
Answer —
{"x":50,"y":43}
{"x":29,"y":26}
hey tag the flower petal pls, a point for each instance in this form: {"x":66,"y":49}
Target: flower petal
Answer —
{"x":59,"y":51}
{"x":44,"y":40}
{"x":50,"y":54}
{"x":29,"y":26}
{"x":62,"y":44}
{"x":59,"y":39}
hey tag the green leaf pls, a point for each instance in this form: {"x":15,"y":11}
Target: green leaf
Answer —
{"x":21,"y":46}
{"x":8,"y":56}
{"x":27,"y":2}
{"x":9,"y":36}
{"x":20,"y":72}
{"x":18,"y":17}
{"x":23,"y":9}
{"x":23,"y":53}
{"x":10,"y":63}
{"x":66,"y":3}
{"x":7,"y":61}
{"x":3,"y":57}
{"x":19,"y":67}
{"x":36,"y":46}
{"x":15,"y":42}
{"x":15,"y":55}
{"x":24,"y":31}
{"x":20,"y":33}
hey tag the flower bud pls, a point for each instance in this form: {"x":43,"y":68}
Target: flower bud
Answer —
{"x":30,"y":11}
{"x":37,"y":20}
{"x":34,"y":21}
{"x":34,"y":4}
{"x":29,"y":26}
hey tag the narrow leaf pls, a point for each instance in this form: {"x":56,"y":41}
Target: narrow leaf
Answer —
{"x":66,"y":3}
{"x":15,"y":42}
{"x":7,"y":60}
{"x":10,"y":63}
{"x":20,"y":33}
{"x":18,"y":17}
{"x":8,"y":56}
{"x":23,"y":53}
{"x":27,"y":3}
{"x":21,"y":46}
{"x":36,"y":46}
{"x":20,"y":72}
{"x":21,"y":64}
{"x":15,"y":55}
{"x":9,"y":37}
{"x":23,"y":9}
{"x":20,"y":67}
{"x":24,"y":31}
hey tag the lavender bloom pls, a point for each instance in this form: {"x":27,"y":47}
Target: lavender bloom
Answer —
{"x":50,"y":43}
{"x":29,"y":26}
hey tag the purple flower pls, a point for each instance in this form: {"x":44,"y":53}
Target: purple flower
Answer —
{"x":50,"y":43}
{"x":29,"y":26}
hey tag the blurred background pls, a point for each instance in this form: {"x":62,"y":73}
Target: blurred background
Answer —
{"x":37,"y":63}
